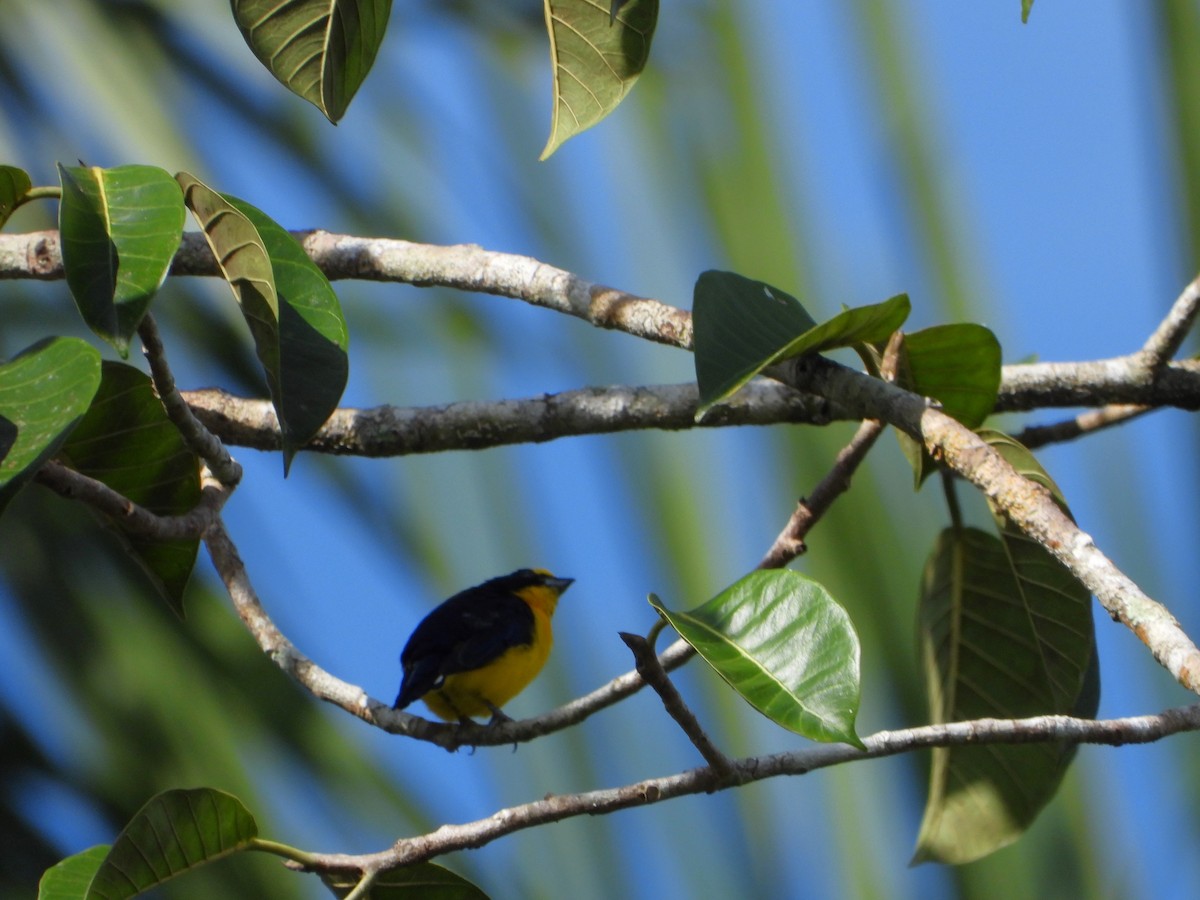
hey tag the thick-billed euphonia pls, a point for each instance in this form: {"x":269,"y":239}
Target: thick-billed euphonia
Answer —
{"x":480,"y":648}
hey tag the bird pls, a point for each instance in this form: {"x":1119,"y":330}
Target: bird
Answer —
{"x":482,"y":647}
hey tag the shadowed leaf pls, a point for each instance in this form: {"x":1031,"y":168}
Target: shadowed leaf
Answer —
{"x":312,"y":335}
{"x":176,"y":831}
{"x":742,"y":326}
{"x":43,"y":393}
{"x":596,"y":54}
{"x":1005,"y":633}
{"x":294,"y":316}
{"x":320,"y":50}
{"x":425,"y":880}
{"x":14,"y":184}
{"x":126,"y":441}
{"x":786,"y":646}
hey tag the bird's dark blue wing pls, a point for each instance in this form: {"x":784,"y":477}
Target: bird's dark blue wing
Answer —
{"x":466,"y":632}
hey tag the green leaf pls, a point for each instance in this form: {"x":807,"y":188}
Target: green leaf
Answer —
{"x":313,"y":339}
{"x":14,"y":184}
{"x":596,"y":55}
{"x":69,"y":878}
{"x":126,"y":441}
{"x":957,"y":365}
{"x":1037,"y":568}
{"x":44,"y":391}
{"x":1005,"y":633}
{"x":785,"y":645}
{"x":302,"y":348}
{"x":424,"y":880}
{"x":742,"y":326}
{"x":176,"y":831}
{"x":1026,"y":6}
{"x":320,"y":50}
{"x":120,"y":229}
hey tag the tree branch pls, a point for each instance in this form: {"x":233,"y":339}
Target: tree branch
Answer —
{"x":398,"y":431}
{"x":555,"y":808}
{"x":1028,"y":505}
{"x":1133,"y":379}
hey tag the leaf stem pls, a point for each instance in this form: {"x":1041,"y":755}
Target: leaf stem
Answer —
{"x":302,"y":857}
{"x":951,"y":495}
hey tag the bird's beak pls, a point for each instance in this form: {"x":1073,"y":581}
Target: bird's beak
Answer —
{"x":558,"y":585}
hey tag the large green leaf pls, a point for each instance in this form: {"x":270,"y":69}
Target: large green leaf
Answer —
{"x":14,"y":184}
{"x":313,"y":365}
{"x":293,"y":314}
{"x":126,"y":441}
{"x":1043,"y":575}
{"x":1003,"y":634}
{"x":69,"y":879}
{"x":120,"y":229}
{"x":957,"y":365}
{"x":742,"y":326}
{"x":785,"y":645}
{"x":320,"y":50}
{"x":426,"y":881}
{"x":596,"y":54}
{"x":44,"y":391}
{"x":176,"y":831}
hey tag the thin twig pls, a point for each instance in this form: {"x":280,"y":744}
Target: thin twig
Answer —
{"x":652,"y":673}
{"x":223,"y":466}
{"x":128,"y":515}
{"x":1085,"y":423}
{"x":1171,"y":332}
{"x":790,"y":542}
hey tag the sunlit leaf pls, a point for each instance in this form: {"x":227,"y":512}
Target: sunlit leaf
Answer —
{"x":785,"y":645}
{"x":69,"y":879}
{"x":176,"y":831}
{"x":742,"y":326}
{"x":120,"y":229}
{"x":424,"y":880}
{"x":320,"y":50}
{"x":1026,"y":6}
{"x":957,"y":365}
{"x":313,"y":365}
{"x":1005,"y":635}
{"x":44,"y":391}
{"x":126,"y":441}
{"x":596,"y":54}
{"x":14,"y":184}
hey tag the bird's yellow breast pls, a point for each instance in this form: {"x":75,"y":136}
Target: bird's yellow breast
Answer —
{"x":470,"y":693}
